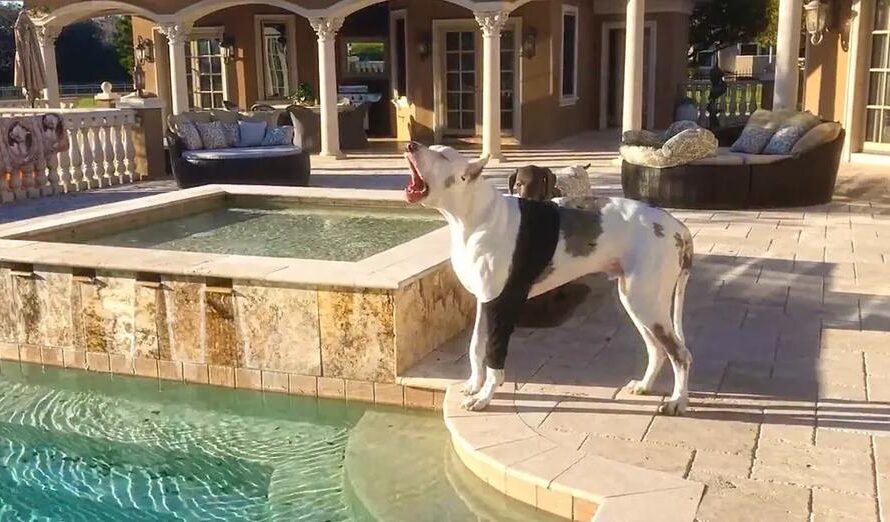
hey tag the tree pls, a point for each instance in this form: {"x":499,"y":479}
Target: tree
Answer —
{"x":722,"y":23}
{"x":123,"y":41}
{"x":8,"y":14}
{"x":88,"y":38}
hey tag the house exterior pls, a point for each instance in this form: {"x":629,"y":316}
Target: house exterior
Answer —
{"x":848,"y":77}
{"x":562,"y":63}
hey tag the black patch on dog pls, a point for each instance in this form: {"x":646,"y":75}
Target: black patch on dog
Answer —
{"x":449,"y":181}
{"x":685,"y":250}
{"x":659,"y":230}
{"x":669,"y":341}
{"x":581,"y":230}
{"x":539,"y":227}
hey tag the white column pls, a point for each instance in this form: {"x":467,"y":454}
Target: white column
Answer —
{"x":787,"y":53}
{"x":491,"y":24}
{"x":326,"y":29}
{"x":47,"y":35}
{"x":177,"y":36}
{"x":634,"y":77}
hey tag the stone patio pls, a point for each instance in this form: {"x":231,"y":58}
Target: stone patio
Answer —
{"x":788,"y":318}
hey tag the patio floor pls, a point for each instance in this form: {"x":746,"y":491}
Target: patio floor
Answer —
{"x":788,"y":318}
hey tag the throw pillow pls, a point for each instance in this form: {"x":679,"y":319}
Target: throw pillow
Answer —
{"x":188,"y":133}
{"x":793,"y":129}
{"x":679,"y":126}
{"x":252,"y":133}
{"x":758,"y":131}
{"x":283,"y":135}
{"x":232,"y":133}
{"x":212,"y":135}
{"x":818,"y":135}
{"x":642,"y":138}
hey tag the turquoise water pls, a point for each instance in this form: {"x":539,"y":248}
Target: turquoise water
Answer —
{"x":93,"y":447}
{"x":306,"y":232}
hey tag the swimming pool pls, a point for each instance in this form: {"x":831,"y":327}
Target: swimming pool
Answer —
{"x":81,"y":446}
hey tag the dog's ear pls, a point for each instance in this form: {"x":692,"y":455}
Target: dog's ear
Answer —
{"x":512,"y":182}
{"x":474,"y":169}
{"x":551,"y":185}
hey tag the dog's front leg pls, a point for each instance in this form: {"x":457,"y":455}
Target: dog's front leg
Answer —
{"x":494,"y":323}
{"x":477,"y":355}
{"x":493,"y":380}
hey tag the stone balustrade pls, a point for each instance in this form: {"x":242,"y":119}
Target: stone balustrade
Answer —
{"x":101,"y":153}
{"x":742,"y":98}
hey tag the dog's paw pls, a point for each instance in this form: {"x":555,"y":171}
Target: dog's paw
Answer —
{"x":475,"y":403}
{"x":471,"y":386}
{"x":636,"y":387}
{"x":673,"y":408}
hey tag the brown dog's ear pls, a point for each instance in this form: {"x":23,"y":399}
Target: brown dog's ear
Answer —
{"x":474,"y":168}
{"x":512,"y":181}
{"x":551,"y":185}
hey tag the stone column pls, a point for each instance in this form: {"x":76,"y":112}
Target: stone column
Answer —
{"x":46,"y":36}
{"x":326,"y":29}
{"x":634,"y":77}
{"x":177,"y":36}
{"x":787,"y":54}
{"x":491,"y":24}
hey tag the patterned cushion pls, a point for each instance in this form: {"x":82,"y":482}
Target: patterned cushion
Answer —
{"x":677,"y":127}
{"x":792,"y":129}
{"x":643,"y":138}
{"x":252,"y":133}
{"x":687,"y":146}
{"x":188,"y":133}
{"x":758,"y":131}
{"x":232,"y":133}
{"x":212,"y":135}
{"x":283,"y":135}
{"x":817,"y":136}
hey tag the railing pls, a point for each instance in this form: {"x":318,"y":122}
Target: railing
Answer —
{"x":101,"y":153}
{"x":742,"y":98}
{"x":67,"y":89}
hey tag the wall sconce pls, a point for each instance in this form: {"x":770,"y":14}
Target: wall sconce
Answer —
{"x":144,"y":50}
{"x":816,"y":14}
{"x":424,"y":44}
{"x":529,"y":42}
{"x":227,"y":48}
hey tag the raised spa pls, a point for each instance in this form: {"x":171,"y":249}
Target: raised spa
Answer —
{"x":254,"y":287}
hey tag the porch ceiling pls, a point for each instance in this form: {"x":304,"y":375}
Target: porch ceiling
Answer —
{"x":64,"y":12}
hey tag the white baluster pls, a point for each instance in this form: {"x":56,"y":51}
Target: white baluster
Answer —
{"x":52,"y":175}
{"x":130,"y":151}
{"x":98,"y":152}
{"x":64,"y":160}
{"x":753,"y":97}
{"x":108,"y":174}
{"x":17,"y":187}
{"x":88,"y":169}
{"x":75,"y":134}
{"x":118,"y":144}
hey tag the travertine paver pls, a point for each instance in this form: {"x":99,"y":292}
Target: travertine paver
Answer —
{"x":788,"y":317}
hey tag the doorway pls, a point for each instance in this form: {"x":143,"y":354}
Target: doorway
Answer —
{"x":612,"y":79}
{"x":457,"y":47}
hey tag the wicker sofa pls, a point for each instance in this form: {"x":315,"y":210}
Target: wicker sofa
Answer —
{"x":268,"y":165}
{"x":351,"y":121}
{"x":732,"y":180}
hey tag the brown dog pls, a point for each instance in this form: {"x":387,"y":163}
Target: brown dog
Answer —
{"x":534,"y":182}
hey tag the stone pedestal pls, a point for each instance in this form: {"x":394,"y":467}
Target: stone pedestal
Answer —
{"x":148,"y":136}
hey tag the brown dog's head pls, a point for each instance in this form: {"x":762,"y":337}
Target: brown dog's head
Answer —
{"x":533,"y":182}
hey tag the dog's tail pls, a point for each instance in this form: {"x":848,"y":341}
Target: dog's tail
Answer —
{"x":679,"y":300}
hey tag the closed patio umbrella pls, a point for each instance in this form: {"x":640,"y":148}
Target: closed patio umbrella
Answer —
{"x":30,"y":74}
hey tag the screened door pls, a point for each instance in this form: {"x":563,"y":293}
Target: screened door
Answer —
{"x":877,"y":111}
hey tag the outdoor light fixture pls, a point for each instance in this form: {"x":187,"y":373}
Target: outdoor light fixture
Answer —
{"x":423,"y":45}
{"x":144,"y":51}
{"x":227,"y":48}
{"x":529,"y":42}
{"x":816,"y":15}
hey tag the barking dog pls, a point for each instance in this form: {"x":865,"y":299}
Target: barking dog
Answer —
{"x":540,"y":183}
{"x":505,"y":249}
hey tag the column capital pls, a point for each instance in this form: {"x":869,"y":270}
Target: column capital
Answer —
{"x":491,"y":22}
{"x":326,"y":28}
{"x":47,"y":34}
{"x":176,"y":33}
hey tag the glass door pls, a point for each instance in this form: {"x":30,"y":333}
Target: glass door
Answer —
{"x":508,"y":73}
{"x":877,"y":110}
{"x":460,"y":82}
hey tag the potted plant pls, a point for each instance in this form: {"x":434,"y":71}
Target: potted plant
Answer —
{"x":304,"y":95}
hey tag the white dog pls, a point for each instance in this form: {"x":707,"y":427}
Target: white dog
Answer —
{"x":505,"y":249}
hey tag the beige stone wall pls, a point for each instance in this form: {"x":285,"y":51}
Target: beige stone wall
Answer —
{"x":189,"y":328}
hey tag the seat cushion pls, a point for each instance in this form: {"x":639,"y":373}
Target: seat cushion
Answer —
{"x":817,"y":136}
{"x":763,"y":159}
{"x":687,"y":146}
{"x":242,"y":153}
{"x":720,"y":160}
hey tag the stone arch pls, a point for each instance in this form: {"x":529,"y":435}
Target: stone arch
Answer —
{"x":79,"y":11}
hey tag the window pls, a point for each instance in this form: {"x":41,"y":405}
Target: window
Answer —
{"x":754,"y":49}
{"x":877,"y":109}
{"x":276,"y":48}
{"x":569,"y":80}
{"x":399,"y":53}
{"x":205,"y":73}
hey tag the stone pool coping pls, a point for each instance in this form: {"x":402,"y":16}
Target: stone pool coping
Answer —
{"x":500,"y":448}
{"x":391,"y":269}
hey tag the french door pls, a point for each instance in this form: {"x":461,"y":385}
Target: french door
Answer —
{"x":459,"y":86}
{"x":877,"y":109}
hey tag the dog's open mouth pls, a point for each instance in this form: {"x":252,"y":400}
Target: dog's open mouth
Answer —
{"x":417,"y":188}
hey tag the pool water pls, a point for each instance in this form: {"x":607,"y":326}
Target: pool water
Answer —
{"x":93,"y":447}
{"x":320,"y":232}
